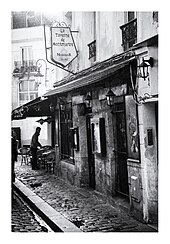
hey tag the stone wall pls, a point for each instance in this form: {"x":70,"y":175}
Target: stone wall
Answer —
{"x":104,"y":165}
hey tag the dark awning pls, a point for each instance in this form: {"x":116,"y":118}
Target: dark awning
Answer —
{"x":36,"y":108}
{"x":91,"y":75}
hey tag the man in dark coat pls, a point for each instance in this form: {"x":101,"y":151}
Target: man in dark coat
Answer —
{"x":14,"y":147}
{"x":34,"y":145}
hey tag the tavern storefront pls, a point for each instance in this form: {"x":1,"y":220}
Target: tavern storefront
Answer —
{"x":99,"y":113}
{"x":96,"y":126}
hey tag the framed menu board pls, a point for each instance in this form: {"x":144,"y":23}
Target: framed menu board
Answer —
{"x":98,"y":136}
{"x":132,"y":128}
{"x":57,"y":128}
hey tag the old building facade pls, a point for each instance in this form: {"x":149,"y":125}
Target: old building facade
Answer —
{"x":106,"y":113}
{"x":32,"y":75}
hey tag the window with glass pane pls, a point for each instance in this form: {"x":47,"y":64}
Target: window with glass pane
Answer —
{"x":66,"y":123}
{"x":33,"y":86}
{"x":26,"y":55}
{"x":23,"y":86}
{"x":33,"y":19}
{"x":19,"y":19}
{"x":131,"y":15}
{"x":28,"y":90}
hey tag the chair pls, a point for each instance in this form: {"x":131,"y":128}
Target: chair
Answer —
{"x":25,"y":154}
{"x":50,"y":160}
{"x":41,"y":159}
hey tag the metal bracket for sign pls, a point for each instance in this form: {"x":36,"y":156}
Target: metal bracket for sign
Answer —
{"x":55,"y":64}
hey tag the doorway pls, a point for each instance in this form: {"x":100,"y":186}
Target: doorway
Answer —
{"x":91,"y":161}
{"x":122,"y":187}
{"x":18,"y":133}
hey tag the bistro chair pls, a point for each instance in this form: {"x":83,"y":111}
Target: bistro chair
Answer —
{"x":25,"y":155}
{"x":50,"y":160}
{"x":40,"y":155}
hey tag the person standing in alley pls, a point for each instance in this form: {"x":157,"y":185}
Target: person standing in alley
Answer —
{"x":14,"y":147}
{"x":34,"y":145}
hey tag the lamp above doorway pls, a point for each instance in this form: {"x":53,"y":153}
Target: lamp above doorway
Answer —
{"x":110,"y":98}
{"x":143,"y":67}
{"x":88,"y":100}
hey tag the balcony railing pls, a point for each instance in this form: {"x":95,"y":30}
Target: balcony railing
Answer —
{"x":92,"y":49}
{"x":129,"y":34}
{"x":25,"y":67}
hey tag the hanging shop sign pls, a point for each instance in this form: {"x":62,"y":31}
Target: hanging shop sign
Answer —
{"x":62,"y":46}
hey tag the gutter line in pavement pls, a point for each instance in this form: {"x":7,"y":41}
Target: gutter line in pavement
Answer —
{"x":56,"y":221}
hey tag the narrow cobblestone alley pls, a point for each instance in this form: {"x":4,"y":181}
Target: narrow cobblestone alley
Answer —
{"x":24,"y":219}
{"x":83,"y":207}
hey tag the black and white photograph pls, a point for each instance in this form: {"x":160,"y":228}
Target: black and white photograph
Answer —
{"x":84,"y":121}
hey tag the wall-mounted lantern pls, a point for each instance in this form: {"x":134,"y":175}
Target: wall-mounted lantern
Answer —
{"x":62,"y":103}
{"x":88,"y":100}
{"x":38,"y":76}
{"x":144,"y":67}
{"x":110,"y":98}
{"x":51,"y":107}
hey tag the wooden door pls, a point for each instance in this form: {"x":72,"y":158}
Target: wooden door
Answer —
{"x":91,"y":161}
{"x":121,"y":152}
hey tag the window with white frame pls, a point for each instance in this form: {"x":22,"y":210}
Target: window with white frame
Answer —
{"x":26,"y":55}
{"x":28,"y":90}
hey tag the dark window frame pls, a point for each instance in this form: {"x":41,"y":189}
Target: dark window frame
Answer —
{"x":92,"y":49}
{"x":66,"y":125}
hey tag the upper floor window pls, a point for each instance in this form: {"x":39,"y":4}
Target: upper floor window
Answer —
{"x":92,"y":45}
{"x":129,"y":31}
{"x":24,"y":19}
{"x":130,"y":16}
{"x":28,"y":90}
{"x":18,"y":20}
{"x":26,"y":55}
{"x":155,"y":16}
{"x":34,"y":19}
{"x":92,"y":50}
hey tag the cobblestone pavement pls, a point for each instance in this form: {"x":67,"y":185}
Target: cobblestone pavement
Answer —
{"x":24,"y":219}
{"x":83,"y":207}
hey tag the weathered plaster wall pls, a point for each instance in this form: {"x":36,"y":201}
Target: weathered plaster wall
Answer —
{"x":104,"y":165}
{"x":135,"y":188}
{"x":77,"y":172}
{"x":149,"y":164}
{"x":147,"y":25}
{"x":151,"y":161}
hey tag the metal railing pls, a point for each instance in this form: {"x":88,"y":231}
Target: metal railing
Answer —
{"x":129,"y":34}
{"x":22,"y":67}
{"x":92,"y":49}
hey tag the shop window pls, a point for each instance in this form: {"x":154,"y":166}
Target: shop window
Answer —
{"x":66,"y":124}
